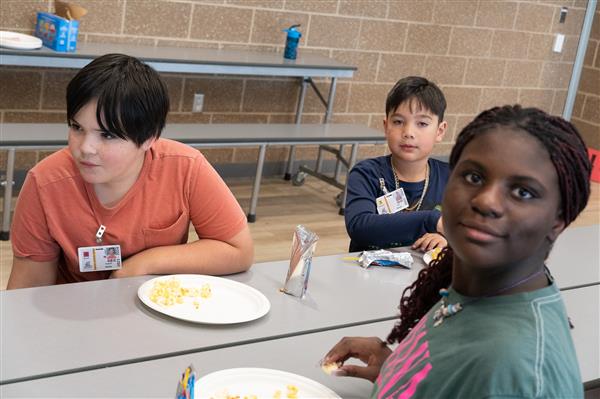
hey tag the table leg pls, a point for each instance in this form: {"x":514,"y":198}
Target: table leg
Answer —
{"x":328,"y":114}
{"x":8,"y":186}
{"x":257,"y":178}
{"x":338,"y":164}
{"x":319,"y":164}
{"x":290,"y":163}
{"x":299,"y":109}
{"x":353,"y":156}
{"x":330,"y":100}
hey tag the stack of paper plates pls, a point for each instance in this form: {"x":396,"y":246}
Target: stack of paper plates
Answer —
{"x":19,"y":41}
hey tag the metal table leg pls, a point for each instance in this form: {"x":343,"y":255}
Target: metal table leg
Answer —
{"x":257,"y":178}
{"x":8,"y":187}
{"x":338,"y":164}
{"x":328,"y":114}
{"x":299,"y":109}
{"x":353,"y":156}
{"x":319,"y":164}
{"x":330,"y":100}
{"x":339,"y":153}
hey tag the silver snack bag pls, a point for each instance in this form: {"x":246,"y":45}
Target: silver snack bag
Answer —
{"x":382,"y":257}
{"x":303,"y":247}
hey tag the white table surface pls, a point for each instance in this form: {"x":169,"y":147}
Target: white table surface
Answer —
{"x":575,"y":258}
{"x":158,"y":378}
{"x":583,"y":308}
{"x":77,"y":327}
{"x":68,"y":328}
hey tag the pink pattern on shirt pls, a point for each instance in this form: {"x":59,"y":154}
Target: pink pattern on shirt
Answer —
{"x":410,"y":358}
{"x":406,"y":347}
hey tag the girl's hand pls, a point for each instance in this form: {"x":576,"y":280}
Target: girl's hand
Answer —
{"x":430,"y":241}
{"x":372,"y":351}
{"x":440,"y":226}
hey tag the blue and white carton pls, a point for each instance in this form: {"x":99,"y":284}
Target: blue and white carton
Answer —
{"x":57,"y":33}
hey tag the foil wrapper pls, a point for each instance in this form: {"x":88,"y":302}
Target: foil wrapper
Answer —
{"x":303,"y":247}
{"x":382,"y":257}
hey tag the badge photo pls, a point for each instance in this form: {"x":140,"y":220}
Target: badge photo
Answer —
{"x":392,"y":202}
{"x":99,"y":258}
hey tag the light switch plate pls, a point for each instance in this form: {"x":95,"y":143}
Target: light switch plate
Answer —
{"x":198,"y":103}
{"x":559,"y":40}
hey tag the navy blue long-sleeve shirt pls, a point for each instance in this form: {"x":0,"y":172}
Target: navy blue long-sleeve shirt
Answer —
{"x":369,"y":230}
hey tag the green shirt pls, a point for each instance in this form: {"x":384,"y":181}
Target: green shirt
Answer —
{"x":510,"y":346}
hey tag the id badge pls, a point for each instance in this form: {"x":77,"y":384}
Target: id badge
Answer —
{"x":100,"y":258}
{"x":392,"y":202}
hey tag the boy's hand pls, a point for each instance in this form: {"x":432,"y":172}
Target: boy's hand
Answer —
{"x":129,"y":269}
{"x":430,"y":241}
{"x":372,"y":351}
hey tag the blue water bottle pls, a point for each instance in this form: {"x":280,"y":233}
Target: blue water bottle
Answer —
{"x":291,"y":43}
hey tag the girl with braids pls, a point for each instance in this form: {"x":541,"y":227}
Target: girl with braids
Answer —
{"x":519,"y":177}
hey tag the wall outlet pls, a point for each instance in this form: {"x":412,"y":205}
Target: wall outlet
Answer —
{"x":563,"y":15}
{"x":198,"y":103}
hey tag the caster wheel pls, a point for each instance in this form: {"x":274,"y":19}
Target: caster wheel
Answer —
{"x":298,"y":179}
{"x":338,"y":199}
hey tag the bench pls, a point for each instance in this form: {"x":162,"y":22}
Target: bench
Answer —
{"x":37,"y":136}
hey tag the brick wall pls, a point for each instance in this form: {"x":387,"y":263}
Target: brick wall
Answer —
{"x":481,"y":53}
{"x":586,"y":110}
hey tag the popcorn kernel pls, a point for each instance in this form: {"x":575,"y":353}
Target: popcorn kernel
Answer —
{"x":170,"y":292}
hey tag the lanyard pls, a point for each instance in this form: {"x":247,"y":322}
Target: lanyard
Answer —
{"x":101,"y":228}
{"x":382,"y":186}
{"x":100,"y":233}
{"x":417,"y":205}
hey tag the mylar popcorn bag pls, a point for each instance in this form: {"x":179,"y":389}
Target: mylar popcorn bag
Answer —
{"x":381,"y":257}
{"x":303,"y":247}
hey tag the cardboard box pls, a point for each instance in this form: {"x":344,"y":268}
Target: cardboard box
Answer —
{"x":59,"y":31}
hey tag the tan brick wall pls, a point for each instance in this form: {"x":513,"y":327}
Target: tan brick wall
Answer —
{"x":482,"y":53}
{"x":586,"y":111}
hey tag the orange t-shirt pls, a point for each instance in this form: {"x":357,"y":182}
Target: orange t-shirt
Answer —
{"x":58,"y":212}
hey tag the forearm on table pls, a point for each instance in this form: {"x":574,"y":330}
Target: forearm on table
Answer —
{"x":404,"y":227}
{"x":27,"y":273}
{"x":204,"y":256}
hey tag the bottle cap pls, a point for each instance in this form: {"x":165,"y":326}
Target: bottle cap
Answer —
{"x":292,"y":32}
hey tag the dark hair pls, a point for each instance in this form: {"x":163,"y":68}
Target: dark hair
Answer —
{"x":417,"y":89}
{"x":133,"y":101}
{"x":569,"y":156}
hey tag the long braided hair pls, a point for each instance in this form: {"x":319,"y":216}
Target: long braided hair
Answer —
{"x":569,"y":156}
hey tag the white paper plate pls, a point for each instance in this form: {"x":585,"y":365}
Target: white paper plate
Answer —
{"x":19,"y":41}
{"x":230,"y":302}
{"x":260,"y":382}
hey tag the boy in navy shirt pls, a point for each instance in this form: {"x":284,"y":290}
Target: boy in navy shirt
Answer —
{"x":394,"y":200}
